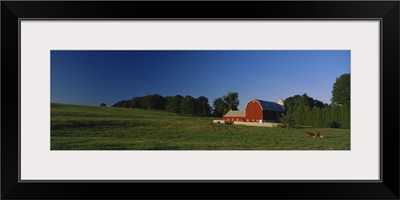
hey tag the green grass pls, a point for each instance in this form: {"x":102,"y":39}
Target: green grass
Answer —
{"x":76,"y":127}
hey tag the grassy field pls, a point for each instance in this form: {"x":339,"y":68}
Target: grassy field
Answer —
{"x":76,"y":127}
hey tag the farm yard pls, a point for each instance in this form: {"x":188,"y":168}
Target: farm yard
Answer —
{"x":75,"y":127}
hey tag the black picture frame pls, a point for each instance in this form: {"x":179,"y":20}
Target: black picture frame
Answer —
{"x":386,"y":11}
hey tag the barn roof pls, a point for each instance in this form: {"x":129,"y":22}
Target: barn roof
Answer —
{"x":236,"y":113}
{"x":272,"y":106}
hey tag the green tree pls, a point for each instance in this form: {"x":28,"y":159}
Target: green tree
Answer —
{"x":319,"y":104}
{"x":135,"y":102}
{"x":173,"y":104}
{"x":326,"y":116}
{"x":335,"y":117}
{"x":157,"y":102}
{"x":188,"y":106}
{"x":299,"y":115}
{"x":292,"y":102}
{"x":345,"y":117}
{"x":287,"y":120}
{"x":232,"y":100}
{"x":118,"y":104}
{"x":103,"y":104}
{"x":126,"y":104}
{"x":307,"y":101}
{"x":308,"y":118}
{"x":145,"y":102}
{"x":203,"y":108}
{"x":341,"y":91}
{"x":316,"y":116}
{"x":220,"y":108}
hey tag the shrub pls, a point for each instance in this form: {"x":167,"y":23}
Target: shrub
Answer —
{"x":287,"y":120}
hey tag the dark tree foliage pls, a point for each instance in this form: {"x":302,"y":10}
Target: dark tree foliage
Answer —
{"x":203,"y":108}
{"x":341,"y":91}
{"x":319,"y":104}
{"x":120,"y":103}
{"x":173,"y":104}
{"x":232,"y":100}
{"x":157,"y":102}
{"x":103,"y":104}
{"x":292,"y":102}
{"x":135,"y":102}
{"x":220,"y":107}
{"x":287,"y":120}
{"x":126,"y":104}
{"x":145,"y":102}
{"x":306,"y":111}
{"x":188,"y":106}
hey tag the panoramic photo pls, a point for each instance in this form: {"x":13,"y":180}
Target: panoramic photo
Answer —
{"x":200,"y":100}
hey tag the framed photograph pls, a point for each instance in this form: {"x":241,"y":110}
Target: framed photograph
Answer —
{"x":111,"y":100}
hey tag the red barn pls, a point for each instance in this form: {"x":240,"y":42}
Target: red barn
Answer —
{"x":257,"y":110}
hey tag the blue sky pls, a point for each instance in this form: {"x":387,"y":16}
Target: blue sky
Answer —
{"x":94,"y":77}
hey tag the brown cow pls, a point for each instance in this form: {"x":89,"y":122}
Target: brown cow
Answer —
{"x":320,"y":135}
{"x":309,"y":134}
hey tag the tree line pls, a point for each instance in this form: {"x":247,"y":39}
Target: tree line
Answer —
{"x":185,"y":105}
{"x":304,"y":110}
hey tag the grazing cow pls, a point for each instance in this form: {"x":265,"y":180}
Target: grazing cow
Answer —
{"x":211,"y":124}
{"x":309,"y":134}
{"x":320,"y":135}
